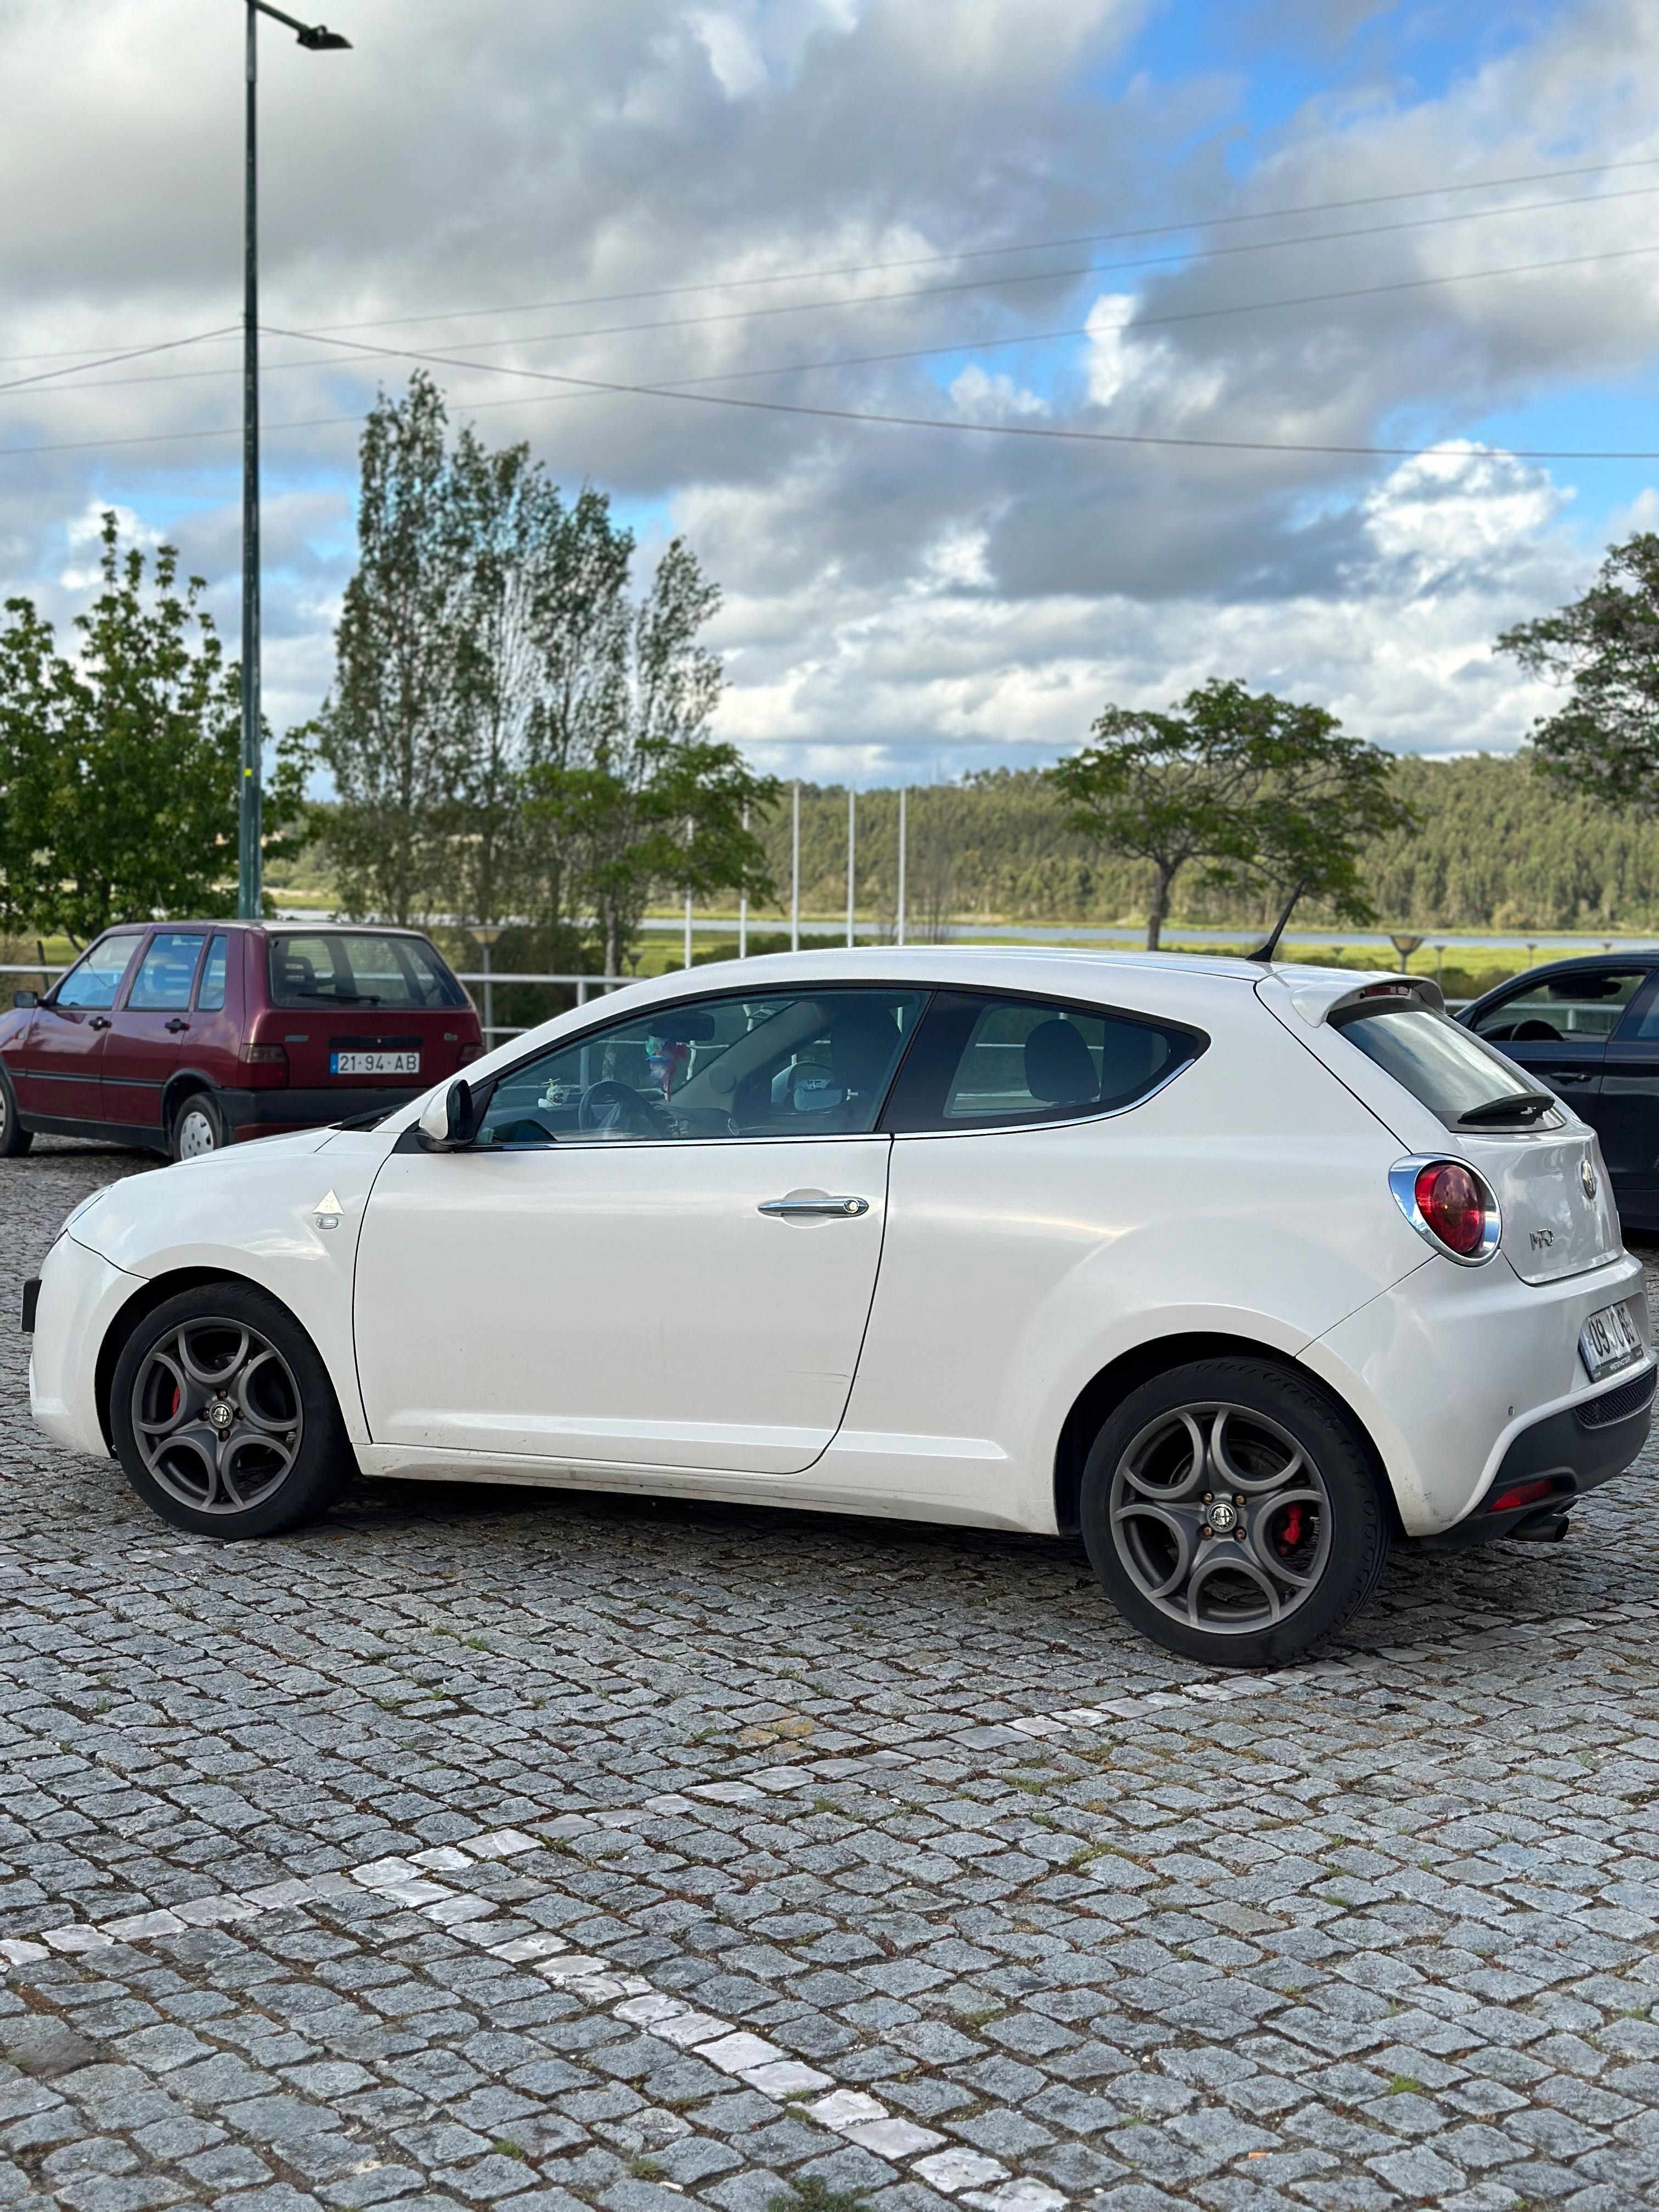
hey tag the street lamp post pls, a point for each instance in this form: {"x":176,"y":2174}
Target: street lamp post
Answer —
{"x":250,"y":888}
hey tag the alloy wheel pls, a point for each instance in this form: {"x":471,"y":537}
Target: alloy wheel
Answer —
{"x":217,"y":1415}
{"x":1221,"y":1518}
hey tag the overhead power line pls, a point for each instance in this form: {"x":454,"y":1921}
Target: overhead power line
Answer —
{"x":110,"y":361}
{"x":320,"y":331}
{"x":77,"y":355}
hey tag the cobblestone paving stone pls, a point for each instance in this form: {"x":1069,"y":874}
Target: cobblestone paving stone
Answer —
{"x":530,"y":1852}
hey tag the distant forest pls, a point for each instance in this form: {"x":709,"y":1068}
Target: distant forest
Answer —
{"x":1499,"y":848}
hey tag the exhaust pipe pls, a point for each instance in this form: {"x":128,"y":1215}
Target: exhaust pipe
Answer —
{"x":1540,"y":1529}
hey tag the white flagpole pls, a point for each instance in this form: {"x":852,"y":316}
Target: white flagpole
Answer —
{"x":794,"y":878}
{"x":900,"y":933}
{"x":852,"y":853}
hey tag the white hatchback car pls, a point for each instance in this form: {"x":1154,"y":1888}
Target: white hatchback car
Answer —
{"x":1241,"y":1271}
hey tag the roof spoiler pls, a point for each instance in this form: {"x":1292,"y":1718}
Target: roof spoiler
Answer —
{"x":1321,"y":997}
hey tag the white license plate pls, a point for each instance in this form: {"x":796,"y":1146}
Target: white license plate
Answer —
{"x":1607,"y":1341}
{"x":374,"y":1063}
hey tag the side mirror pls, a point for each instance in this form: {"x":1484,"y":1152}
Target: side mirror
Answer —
{"x":21,"y":998}
{"x":449,"y":1121}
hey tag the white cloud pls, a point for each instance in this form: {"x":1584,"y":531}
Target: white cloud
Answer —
{"x":892,"y":594}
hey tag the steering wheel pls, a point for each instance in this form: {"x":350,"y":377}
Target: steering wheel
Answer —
{"x":611,"y":1105}
{"x":1535,"y":1031}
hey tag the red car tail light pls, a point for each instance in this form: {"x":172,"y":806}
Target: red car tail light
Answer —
{"x":271,"y":1056}
{"x":1450,"y":1199}
{"x":1449,"y":1206}
{"x":469,"y":1052}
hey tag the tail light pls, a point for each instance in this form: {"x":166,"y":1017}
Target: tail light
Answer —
{"x":469,"y":1052}
{"x":1449,"y":1206}
{"x":268,"y":1063}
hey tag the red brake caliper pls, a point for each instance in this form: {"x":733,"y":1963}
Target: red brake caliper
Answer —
{"x":1290,"y":1535}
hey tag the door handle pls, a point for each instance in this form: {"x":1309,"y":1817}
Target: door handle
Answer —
{"x":98,"y":1023}
{"x":843,"y":1209}
{"x":175,"y":1025}
{"x":1575,"y":1075}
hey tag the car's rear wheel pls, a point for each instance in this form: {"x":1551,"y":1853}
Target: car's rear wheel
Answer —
{"x":1233,"y":1515}
{"x":14,"y":1138}
{"x":223,"y":1415}
{"x":198,"y":1127}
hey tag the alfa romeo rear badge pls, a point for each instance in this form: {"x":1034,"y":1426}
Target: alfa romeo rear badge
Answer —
{"x":1587,"y":1177}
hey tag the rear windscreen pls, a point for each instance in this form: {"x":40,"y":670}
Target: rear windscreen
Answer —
{"x":1437,"y":1060}
{"x":359,"y":968}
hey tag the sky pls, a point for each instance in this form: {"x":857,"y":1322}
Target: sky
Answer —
{"x":1149,"y":282}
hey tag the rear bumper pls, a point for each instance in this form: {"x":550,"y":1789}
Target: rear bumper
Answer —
{"x":263,"y":1113}
{"x":1454,"y":1369}
{"x":1575,"y":1449}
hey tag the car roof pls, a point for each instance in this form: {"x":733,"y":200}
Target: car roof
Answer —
{"x":266,"y":928}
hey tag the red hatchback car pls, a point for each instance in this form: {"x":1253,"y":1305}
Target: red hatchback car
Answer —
{"x":187,"y":1036}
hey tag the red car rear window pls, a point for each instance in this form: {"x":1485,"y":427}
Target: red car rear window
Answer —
{"x":359,"y":968}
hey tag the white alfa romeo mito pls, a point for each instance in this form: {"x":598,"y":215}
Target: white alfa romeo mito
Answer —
{"x":1243,"y":1271}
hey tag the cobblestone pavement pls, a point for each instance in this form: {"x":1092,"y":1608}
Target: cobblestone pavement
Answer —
{"x":522,"y":1851}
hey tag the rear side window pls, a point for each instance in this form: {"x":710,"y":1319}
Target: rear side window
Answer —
{"x":1444,"y":1067}
{"x":981,"y":1061}
{"x":360,"y":968}
{"x":95,"y":981}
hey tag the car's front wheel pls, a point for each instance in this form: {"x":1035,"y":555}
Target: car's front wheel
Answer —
{"x":14,"y":1138}
{"x":223,"y":1415}
{"x":1232,"y":1514}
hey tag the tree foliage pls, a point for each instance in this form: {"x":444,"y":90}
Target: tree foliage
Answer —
{"x":119,"y":762}
{"x":1256,"y":791}
{"x":1604,"y":648}
{"x":508,"y":732}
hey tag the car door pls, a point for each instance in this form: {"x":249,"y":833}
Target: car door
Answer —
{"x":59,"y":1072}
{"x":660,"y":1250}
{"x":1555,"y":1025}
{"x":1627,"y":1118}
{"x":148,"y":1027}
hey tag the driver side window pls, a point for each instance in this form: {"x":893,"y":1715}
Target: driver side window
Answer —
{"x":1575,"y":1008}
{"x":769,"y":1064}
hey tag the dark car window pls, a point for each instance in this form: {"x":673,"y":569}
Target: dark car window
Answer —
{"x":775,"y":1064}
{"x":166,"y":973}
{"x":360,"y":968}
{"x":1579,"y":1008}
{"x":1435,"y":1058}
{"x":95,"y":980}
{"x":984,"y":1061}
{"x":210,"y":993}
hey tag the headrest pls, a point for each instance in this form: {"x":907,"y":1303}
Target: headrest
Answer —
{"x":1058,"y":1068}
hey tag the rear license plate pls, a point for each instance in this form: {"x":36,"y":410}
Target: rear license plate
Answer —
{"x":1607,"y":1341}
{"x":374,"y":1063}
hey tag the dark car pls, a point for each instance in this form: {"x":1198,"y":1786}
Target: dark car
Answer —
{"x":187,"y":1036}
{"x":1589,"y":1028}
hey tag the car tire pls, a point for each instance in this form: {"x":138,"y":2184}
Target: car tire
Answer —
{"x":197,"y":1127}
{"x":14,"y":1138}
{"x":223,"y":1415}
{"x":1232,"y":1513}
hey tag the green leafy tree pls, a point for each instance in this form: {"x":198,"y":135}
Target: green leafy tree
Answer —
{"x":643,"y":802}
{"x":1604,"y":648}
{"x":389,"y":733}
{"x":29,"y":684}
{"x":1257,"y":792}
{"x":121,"y":764}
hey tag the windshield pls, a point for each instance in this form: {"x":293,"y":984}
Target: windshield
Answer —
{"x":360,"y":968}
{"x":1448,"y":1071}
